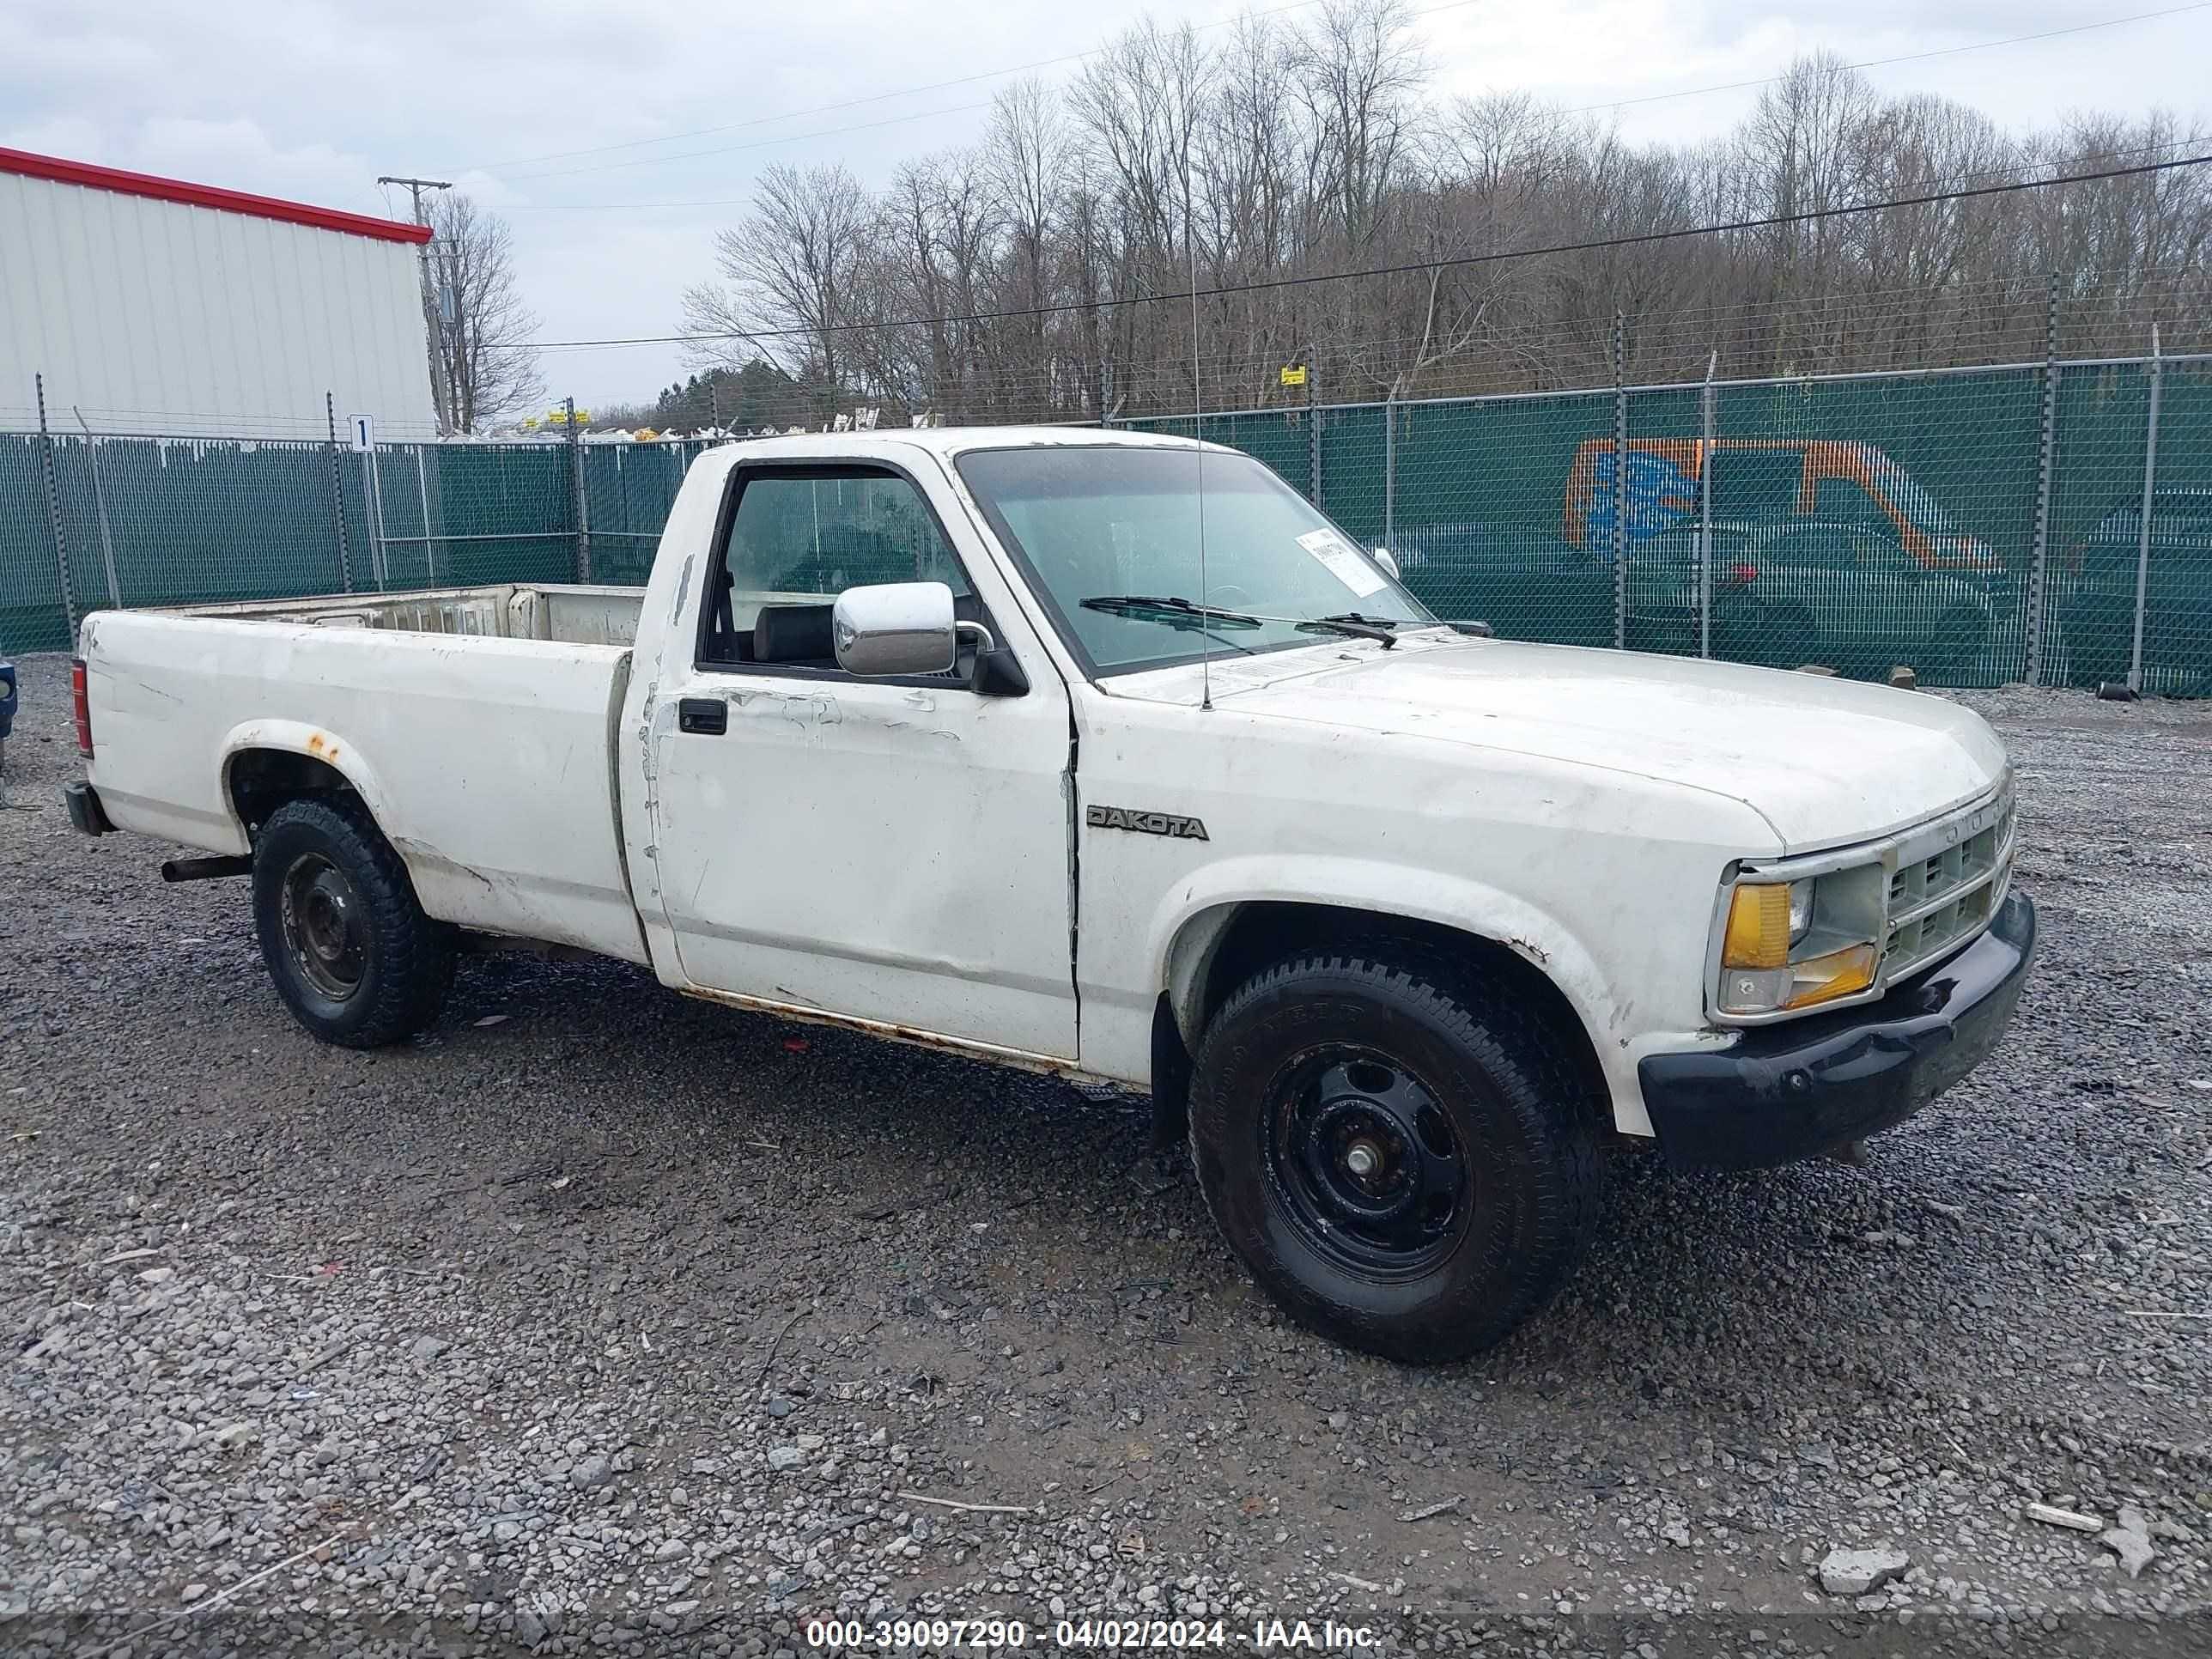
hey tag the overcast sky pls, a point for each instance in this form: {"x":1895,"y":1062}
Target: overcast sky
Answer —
{"x":312,"y":101}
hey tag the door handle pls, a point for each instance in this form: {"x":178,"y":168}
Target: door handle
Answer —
{"x":709,"y":715}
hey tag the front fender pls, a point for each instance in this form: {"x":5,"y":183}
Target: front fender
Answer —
{"x":1188,"y":923}
{"x":1187,"y":927}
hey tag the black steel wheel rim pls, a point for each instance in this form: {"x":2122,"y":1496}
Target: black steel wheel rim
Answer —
{"x":325,"y":928}
{"x":1367,"y":1165}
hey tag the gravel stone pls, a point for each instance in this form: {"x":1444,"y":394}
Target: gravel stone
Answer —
{"x":1855,"y":1572}
{"x":648,"y":1222}
{"x":592,"y":1473}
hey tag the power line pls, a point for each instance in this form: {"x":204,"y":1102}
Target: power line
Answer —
{"x":1267,"y":284}
{"x":744,"y":201}
{"x":1883,"y":62}
{"x":750,"y":144}
{"x":857,"y":103}
{"x":966,"y":109}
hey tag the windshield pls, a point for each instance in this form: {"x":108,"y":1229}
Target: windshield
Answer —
{"x":1912,"y":498}
{"x":1095,"y":523}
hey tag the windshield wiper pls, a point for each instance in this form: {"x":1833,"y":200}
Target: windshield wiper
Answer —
{"x":1351,"y":622}
{"x":1175,"y":612}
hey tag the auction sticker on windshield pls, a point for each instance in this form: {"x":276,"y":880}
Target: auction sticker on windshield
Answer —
{"x":1342,"y":561}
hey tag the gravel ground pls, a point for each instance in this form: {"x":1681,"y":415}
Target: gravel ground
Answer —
{"x":602,"y":1319}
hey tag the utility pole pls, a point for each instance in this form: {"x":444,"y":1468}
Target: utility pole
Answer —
{"x":434,"y":315}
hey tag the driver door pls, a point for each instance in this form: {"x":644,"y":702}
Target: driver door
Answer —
{"x":893,"y":851}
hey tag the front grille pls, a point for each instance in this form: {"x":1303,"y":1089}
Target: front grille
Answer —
{"x":1945,"y":889}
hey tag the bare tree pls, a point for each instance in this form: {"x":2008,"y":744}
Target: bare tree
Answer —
{"x":485,"y":329}
{"x":1045,"y":272}
{"x":1360,"y":72}
{"x":1026,"y":153}
{"x":790,"y":278}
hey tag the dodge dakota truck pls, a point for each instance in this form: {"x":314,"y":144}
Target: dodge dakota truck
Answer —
{"x":1108,"y":756}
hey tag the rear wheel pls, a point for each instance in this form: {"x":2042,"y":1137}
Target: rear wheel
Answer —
{"x":1401,"y":1153}
{"x":351,"y":951}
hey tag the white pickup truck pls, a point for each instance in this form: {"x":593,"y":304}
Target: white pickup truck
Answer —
{"x":1108,"y":756}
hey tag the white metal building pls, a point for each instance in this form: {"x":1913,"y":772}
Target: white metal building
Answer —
{"x":152,"y":305}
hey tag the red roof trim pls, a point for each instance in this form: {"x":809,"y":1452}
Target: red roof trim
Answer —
{"x":62,"y":171}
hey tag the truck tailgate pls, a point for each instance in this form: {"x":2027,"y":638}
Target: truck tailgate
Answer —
{"x":485,"y":761}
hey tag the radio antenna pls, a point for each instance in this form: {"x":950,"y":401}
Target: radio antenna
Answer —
{"x":1197,"y":434}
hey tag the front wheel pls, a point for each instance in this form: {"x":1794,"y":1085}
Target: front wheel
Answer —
{"x":1400,"y":1150}
{"x":352,"y":953}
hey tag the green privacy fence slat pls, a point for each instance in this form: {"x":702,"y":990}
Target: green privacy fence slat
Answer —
{"x":2178,"y":632}
{"x":1859,"y":521}
{"x":30,"y":614}
{"x":628,"y":489}
{"x":2097,"y":547}
{"x":1477,"y":514}
{"x":205,"y":520}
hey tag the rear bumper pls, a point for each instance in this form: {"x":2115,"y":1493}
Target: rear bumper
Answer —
{"x":1793,"y":1090}
{"x":85,"y":810}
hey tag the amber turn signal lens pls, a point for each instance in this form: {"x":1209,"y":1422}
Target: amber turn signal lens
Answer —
{"x":1823,"y":979}
{"x":1758,"y":927}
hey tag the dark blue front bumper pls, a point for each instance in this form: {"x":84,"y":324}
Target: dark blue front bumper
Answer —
{"x":1799,"y":1089}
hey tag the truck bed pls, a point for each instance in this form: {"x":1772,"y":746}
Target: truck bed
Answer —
{"x":476,"y":724}
{"x":505,"y":611}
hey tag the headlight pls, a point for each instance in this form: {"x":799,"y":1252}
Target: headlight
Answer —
{"x":1788,"y":945}
{"x":1801,"y":910}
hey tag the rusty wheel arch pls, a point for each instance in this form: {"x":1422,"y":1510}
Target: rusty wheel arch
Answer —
{"x":258,"y":781}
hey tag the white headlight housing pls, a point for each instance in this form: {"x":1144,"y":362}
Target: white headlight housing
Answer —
{"x":1789,"y":945}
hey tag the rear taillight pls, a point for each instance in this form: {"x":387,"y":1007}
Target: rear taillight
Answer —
{"x":80,"y":694}
{"x":1743,"y":574}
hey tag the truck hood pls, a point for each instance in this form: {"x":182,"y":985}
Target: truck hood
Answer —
{"x":1826,"y":762}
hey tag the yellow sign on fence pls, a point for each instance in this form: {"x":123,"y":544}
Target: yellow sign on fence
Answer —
{"x":1294,"y":373}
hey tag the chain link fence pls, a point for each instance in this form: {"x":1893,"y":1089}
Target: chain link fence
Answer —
{"x":90,"y":521}
{"x":1976,"y":525}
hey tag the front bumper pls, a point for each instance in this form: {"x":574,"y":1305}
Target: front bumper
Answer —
{"x":1795,"y":1090}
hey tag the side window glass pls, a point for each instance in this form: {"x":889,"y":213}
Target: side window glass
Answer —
{"x":798,"y":539}
{"x":2190,"y":523}
{"x":1846,"y":501}
{"x":1879,"y":552}
{"x":1756,"y":485}
{"x":1814,"y":548}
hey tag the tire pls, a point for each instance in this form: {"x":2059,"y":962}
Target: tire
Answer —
{"x":352,"y":954}
{"x":1381,"y":1047}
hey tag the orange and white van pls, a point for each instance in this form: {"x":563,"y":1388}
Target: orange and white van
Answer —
{"x":1833,"y":480}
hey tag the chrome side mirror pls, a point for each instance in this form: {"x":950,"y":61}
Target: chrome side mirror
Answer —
{"x":1390,"y":563}
{"x":895,"y":628}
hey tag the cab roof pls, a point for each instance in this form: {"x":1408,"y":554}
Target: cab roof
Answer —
{"x":951,"y":441}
